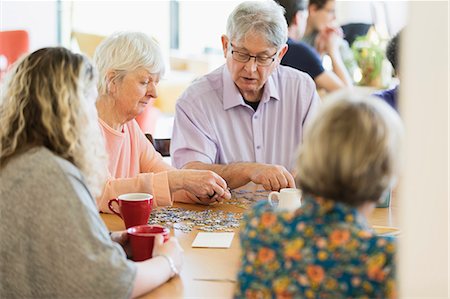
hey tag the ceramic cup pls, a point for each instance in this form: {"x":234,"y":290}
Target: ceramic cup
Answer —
{"x":288,"y":199}
{"x":385,"y":200}
{"x":142,"y":239}
{"x":133,"y":208}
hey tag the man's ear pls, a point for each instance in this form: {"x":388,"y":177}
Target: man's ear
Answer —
{"x":225,"y":43}
{"x":283,"y":51}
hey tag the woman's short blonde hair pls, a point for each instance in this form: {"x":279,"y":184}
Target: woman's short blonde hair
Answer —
{"x":49,"y":100}
{"x":125,"y":52}
{"x":351,"y":150}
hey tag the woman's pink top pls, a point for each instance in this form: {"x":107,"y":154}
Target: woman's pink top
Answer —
{"x":134,"y":166}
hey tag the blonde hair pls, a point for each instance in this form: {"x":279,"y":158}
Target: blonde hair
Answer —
{"x":47,"y":103}
{"x":351,"y":150}
{"x":124,"y":52}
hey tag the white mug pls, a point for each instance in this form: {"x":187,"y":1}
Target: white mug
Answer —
{"x":288,"y":199}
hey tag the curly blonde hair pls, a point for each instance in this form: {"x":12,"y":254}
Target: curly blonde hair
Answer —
{"x":48,"y":100}
{"x":351,"y":150}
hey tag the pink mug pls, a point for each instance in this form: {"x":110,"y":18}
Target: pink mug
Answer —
{"x":142,"y":240}
{"x":134,"y":208}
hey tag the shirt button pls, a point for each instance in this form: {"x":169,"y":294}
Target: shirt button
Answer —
{"x":255,"y":117}
{"x":258,"y":147}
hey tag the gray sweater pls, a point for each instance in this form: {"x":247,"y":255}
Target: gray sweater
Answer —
{"x":53,"y":243}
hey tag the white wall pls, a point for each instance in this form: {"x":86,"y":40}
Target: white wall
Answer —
{"x":202,"y":23}
{"x":424,"y":106}
{"x":37,"y":17}
{"x":392,"y":12}
{"x":152,"y":17}
{"x":106,"y":17}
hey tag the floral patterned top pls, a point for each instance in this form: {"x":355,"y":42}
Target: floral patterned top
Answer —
{"x":324,"y":249}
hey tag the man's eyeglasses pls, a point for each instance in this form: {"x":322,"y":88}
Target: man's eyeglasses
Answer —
{"x":245,"y":57}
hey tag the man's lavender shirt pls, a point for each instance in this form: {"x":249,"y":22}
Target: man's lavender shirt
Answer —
{"x":214,"y":125}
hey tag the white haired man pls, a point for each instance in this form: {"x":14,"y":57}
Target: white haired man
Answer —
{"x":245,"y":120}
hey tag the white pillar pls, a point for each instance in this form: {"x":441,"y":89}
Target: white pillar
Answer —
{"x":424,"y":218}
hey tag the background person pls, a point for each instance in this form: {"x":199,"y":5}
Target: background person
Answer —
{"x":304,"y":57}
{"x":52,"y":165}
{"x":390,"y":96}
{"x":130,"y":66}
{"x":324,"y":35}
{"x":245,"y":119}
{"x":326,"y":248}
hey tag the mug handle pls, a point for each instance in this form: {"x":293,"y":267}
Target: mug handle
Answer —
{"x":111,"y":207}
{"x":270,"y":196}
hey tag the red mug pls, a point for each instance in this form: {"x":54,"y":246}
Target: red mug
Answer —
{"x":142,"y":240}
{"x":134,"y":208}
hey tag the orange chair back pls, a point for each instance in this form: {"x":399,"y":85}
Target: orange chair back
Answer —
{"x":13,"y":44}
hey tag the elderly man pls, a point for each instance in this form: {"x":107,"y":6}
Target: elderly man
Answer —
{"x":245,"y":120}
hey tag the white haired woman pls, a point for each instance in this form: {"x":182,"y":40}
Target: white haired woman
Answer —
{"x":326,"y":249}
{"x":52,"y":165}
{"x":130,"y":66}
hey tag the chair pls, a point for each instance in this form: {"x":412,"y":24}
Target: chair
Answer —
{"x":13,"y":44}
{"x":87,"y":42}
{"x":162,"y":146}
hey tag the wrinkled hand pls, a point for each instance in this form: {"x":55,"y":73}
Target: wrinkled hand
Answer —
{"x":207,"y":201}
{"x":170,"y":248}
{"x":272,"y":177}
{"x":121,"y":237}
{"x":327,"y":41}
{"x":201,"y":183}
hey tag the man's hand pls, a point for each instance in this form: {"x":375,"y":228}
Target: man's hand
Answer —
{"x":271,"y":177}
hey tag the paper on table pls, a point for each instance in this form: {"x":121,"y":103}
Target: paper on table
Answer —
{"x":213,"y":240}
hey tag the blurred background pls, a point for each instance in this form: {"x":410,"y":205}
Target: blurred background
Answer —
{"x":189,"y":33}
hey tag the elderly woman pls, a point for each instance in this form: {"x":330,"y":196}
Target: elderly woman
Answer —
{"x":326,"y":248}
{"x":130,"y":65}
{"x":52,"y":164}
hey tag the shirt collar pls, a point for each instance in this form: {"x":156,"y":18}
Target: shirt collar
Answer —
{"x":232,"y":97}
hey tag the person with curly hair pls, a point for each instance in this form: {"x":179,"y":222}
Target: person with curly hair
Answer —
{"x":52,"y":166}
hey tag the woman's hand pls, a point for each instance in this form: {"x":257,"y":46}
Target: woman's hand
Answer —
{"x":328,"y":40}
{"x":121,"y":237}
{"x":171,"y":249}
{"x":201,"y":183}
{"x":207,"y":201}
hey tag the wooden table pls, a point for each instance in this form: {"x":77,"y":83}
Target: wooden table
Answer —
{"x":215,"y":263}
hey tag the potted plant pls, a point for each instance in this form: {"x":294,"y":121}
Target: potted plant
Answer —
{"x":369,"y":52}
